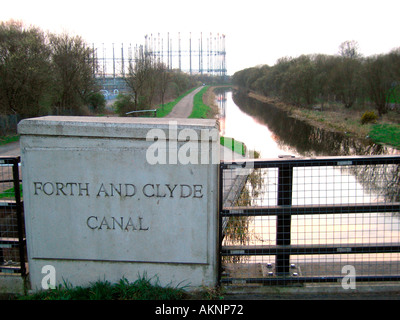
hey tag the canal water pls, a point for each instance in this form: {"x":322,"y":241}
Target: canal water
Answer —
{"x":270,"y":131}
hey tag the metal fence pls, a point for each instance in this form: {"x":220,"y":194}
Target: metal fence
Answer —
{"x":12,"y":230}
{"x":310,"y":220}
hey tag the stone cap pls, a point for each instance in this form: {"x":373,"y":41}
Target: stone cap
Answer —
{"x":112,"y":127}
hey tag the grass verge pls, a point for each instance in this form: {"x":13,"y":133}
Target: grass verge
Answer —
{"x":386,"y":134}
{"x":200,"y":109}
{"x":10,"y":193}
{"x":142,"y":289}
{"x":234,"y":145}
{"x":8,"y":139}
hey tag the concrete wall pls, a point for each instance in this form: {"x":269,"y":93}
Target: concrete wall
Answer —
{"x":107,"y":198}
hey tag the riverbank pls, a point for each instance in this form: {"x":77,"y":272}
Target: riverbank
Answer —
{"x":209,"y":99}
{"x":336,"y":118}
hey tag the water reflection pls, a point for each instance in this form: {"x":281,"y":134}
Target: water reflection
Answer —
{"x":272,"y":132}
{"x":305,"y":140}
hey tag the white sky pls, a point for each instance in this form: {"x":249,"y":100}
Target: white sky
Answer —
{"x":257,"y":31}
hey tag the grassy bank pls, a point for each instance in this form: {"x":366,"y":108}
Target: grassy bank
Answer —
{"x":200,"y":109}
{"x":337,"y":118}
{"x":10,"y":193}
{"x":8,"y":139}
{"x":142,"y":289}
{"x":386,"y":134}
{"x":234,"y":145}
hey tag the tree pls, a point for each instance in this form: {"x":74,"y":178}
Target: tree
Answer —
{"x":379,"y":81}
{"x":73,"y":63}
{"x":164,"y":80}
{"x":24,"y":70}
{"x":124,"y":104}
{"x":138,"y":73}
{"x":298,"y":85}
{"x":349,"y":49}
{"x":97,"y":101}
{"x":324,"y":68}
{"x":394,"y":58}
{"x":348,"y":73}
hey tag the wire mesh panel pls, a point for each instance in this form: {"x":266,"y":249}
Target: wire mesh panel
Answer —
{"x":12,"y":246}
{"x":309,"y":220}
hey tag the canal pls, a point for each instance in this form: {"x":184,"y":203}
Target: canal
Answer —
{"x":271,"y":132}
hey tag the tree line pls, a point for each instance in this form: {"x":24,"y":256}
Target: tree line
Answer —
{"x":347,"y":78}
{"x":43,"y":73}
{"x":151,"y":83}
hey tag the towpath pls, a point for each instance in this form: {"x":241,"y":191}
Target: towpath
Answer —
{"x":183,"y":109}
{"x":10,"y":149}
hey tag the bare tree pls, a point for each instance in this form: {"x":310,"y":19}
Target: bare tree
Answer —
{"x":164,"y":80}
{"x":348,"y":73}
{"x":349,"y":49}
{"x":138,"y":73}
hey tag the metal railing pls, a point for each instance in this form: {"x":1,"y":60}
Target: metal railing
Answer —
{"x":304,"y":220}
{"x":153,"y":112}
{"x":12,"y":231}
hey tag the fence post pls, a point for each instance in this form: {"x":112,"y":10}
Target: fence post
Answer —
{"x":20,"y":218}
{"x":220,"y":221}
{"x":283,"y":223}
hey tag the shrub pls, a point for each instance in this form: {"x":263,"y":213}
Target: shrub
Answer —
{"x":124,"y":104}
{"x":97,"y":102}
{"x":369,"y":117}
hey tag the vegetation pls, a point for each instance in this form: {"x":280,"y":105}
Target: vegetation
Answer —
{"x":167,"y":108}
{"x":386,"y":134}
{"x":237,"y":228}
{"x":123,"y":104}
{"x":43,"y":73}
{"x":152,"y":83}
{"x":369,"y":117}
{"x":200,"y":109}
{"x":142,"y":289}
{"x":234,"y":145}
{"x":97,"y":102}
{"x":10,"y":193}
{"x":7,"y":139}
{"x":346,"y":84}
{"x":346,"y":78}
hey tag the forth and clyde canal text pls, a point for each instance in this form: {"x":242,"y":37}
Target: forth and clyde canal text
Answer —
{"x":121,"y":190}
{"x":85,"y":189}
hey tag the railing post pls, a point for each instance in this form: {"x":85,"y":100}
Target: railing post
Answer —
{"x":283,"y":223}
{"x":20,"y":218}
{"x":220,"y":231}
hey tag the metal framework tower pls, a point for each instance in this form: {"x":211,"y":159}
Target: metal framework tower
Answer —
{"x":176,"y":54}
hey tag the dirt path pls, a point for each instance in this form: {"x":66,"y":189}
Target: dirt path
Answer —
{"x":183,"y":109}
{"x":10,"y":149}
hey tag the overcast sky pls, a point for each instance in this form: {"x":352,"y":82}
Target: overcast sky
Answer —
{"x":257,"y":31}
